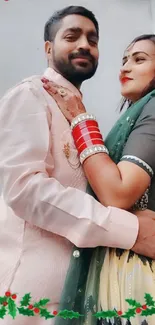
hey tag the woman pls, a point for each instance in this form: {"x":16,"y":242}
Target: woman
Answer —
{"x":125,"y":179}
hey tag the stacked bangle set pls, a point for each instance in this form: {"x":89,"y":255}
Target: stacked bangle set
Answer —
{"x":87,"y":136}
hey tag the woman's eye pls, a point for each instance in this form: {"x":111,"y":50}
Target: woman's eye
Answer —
{"x":140,"y":59}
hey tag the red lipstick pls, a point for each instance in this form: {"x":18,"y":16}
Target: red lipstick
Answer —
{"x":123,"y":80}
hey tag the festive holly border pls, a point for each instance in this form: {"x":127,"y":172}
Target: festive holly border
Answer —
{"x":26,"y":308}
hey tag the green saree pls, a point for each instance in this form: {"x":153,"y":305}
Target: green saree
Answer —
{"x":81,"y":289}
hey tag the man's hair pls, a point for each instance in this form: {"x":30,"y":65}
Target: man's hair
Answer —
{"x":54,"y":22}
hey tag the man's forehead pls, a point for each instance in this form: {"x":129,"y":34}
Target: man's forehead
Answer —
{"x":78,"y":21}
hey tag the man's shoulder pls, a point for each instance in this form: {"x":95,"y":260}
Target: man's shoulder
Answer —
{"x":30,"y":83}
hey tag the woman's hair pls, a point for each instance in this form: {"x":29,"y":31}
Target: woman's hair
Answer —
{"x":151,"y":85}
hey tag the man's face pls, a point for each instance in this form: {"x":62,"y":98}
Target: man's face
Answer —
{"x":74,"y":52}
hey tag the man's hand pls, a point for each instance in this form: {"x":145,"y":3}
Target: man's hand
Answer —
{"x":145,"y":243}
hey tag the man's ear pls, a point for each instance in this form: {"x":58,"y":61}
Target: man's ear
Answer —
{"x":48,"y":49}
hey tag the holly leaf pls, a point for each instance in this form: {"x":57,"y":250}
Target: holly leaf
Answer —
{"x":2,"y":312}
{"x":45,"y":313}
{"x":133,"y":303}
{"x":106,"y":314}
{"x":149,"y":300}
{"x":41,"y":303}
{"x":148,"y":312}
{"x":25,"y":311}
{"x":25,"y":300}
{"x":12,"y":309}
{"x":130,"y":313}
{"x":3,"y":299}
{"x":69,"y":314}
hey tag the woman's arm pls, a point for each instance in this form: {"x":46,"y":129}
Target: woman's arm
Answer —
{"x":117,"y":185}
{"x":123,"y":184}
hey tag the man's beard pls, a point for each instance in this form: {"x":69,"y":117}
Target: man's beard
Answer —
{"x":76,"y":74}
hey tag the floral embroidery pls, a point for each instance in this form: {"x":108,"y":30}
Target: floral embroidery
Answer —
{"x":66,"y":150}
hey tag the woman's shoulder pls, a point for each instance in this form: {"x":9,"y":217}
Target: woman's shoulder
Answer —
{"x":148,"y":110}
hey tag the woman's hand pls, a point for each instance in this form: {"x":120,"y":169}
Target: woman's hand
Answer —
{"x":69,"y":104}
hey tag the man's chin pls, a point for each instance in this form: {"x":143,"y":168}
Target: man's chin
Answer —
{"x":84,"y":73}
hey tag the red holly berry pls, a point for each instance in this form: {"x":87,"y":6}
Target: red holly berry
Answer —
{"x":138,"y":310}
{"x":5,"y":303}
{"x":144,"y":307}
{"x":14,"y":296}
{"x":30,"y":307}
{"x":8,"y":294}
{"x":36,"y":310}
{"x":119,"y":313}
{"x":55,"y":313}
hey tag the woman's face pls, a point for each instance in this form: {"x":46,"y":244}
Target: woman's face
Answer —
{"x":138,"y":69}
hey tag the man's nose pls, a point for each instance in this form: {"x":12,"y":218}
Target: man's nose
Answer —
{"x":83,"y":43}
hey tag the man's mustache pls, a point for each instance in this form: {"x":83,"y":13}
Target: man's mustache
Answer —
{"x":82,"y":54}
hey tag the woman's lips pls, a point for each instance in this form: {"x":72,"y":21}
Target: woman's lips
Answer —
{"x":123,"y":80}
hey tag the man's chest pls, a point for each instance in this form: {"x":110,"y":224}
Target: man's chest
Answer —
{"x":67,"y":168}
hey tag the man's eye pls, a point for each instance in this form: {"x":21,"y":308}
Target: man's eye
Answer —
{"x":71,"y":38}
{"x":94,"y":42}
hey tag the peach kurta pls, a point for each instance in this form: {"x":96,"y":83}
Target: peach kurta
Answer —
{"x":44,"y":208}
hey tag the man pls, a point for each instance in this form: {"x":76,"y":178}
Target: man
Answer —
{"x":45,"y":209}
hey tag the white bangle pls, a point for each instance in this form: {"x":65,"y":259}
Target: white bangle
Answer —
{"x":81,"y":118}
{"x":92,"y":151}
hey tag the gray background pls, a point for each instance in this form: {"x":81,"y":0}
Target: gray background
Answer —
{"x":22,"y":47}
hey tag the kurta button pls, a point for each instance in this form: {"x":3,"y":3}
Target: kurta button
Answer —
{"x":76,"y":254}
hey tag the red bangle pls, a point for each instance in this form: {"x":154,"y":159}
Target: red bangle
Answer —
{"x":85,"y":124}
{"x":89,"y":144}
{"x":88,"y":136}
{"x":78,"y":132}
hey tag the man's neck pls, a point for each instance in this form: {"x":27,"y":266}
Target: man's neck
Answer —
{"x":77,"y":85}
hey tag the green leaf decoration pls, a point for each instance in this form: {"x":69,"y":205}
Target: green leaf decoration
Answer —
{"x":69,"y":314}
{"x":42,"y":303}
{"x":8,"y":305}
{"x":45,"y":313}
{"x":149,"y":300}
{"x":25,"y":311}
{"x":133,"y":303}
{"x":2,"y":312}
{"x":130,"y":313}
{"x":25,"y":300}
{"x":3,"y":299}
{"x":12,"y":309}
{"x":106,"y":314}
{"x":148,"y":312}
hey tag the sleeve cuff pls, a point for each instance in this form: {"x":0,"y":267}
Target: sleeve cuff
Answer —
{"x":123,"y":229}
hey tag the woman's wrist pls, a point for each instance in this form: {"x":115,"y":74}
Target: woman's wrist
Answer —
{"x":87,"y":136}
{"x":83,"y":117}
